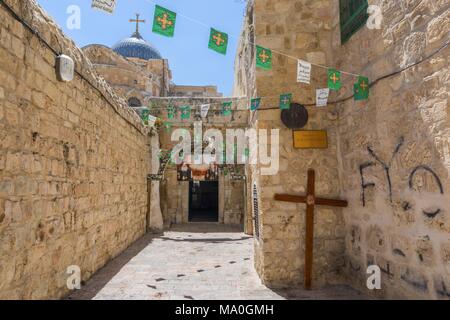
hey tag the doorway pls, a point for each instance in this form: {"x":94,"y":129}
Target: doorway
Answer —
{"x":203,"y":201}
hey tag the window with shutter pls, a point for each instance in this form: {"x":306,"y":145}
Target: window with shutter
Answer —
{"x":353,"y":17}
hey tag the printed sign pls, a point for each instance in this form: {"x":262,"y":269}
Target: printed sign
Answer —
{"x":304,"y":72}
{"x":322,"y":97}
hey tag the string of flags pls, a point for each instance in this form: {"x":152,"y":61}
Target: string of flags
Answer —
{"x":164,"y":24}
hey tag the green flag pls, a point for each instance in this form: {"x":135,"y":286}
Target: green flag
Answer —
{"x":164,"y":21}
{"x":170,"y":112}
{"x":144,"y":115}
{"x":226,"y":108}
{"x":285,"y":101}
{"x":218,"y":41}
{"x":361,"y":89}
{"x":185,"y":112}
{"x":255,"y":103}
{"x":263,"y":58}
{"x":168,"y":126}
{"x":334,"y":79}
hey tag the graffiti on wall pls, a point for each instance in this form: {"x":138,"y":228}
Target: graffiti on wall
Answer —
{"x":386,"y":165}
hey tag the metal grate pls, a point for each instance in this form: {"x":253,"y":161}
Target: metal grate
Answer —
{"x":255,"y":210}
{"x":353,"y":15}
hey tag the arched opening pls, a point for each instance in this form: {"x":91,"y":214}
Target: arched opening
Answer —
{"x":134,"y":102}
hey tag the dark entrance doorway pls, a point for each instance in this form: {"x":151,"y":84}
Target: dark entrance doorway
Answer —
{"x":203,"y":201}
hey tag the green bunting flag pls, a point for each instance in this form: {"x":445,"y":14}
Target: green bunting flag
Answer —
{"x":361,"y":89}
{"x":185,"y":112}
{"x":334,"y":79}
{"x":170,"y":112}
{"x":164,"y":22}
{"x":226,"y":108}
{"x":168,"y":126}
{"x":285,"y":101}
{"x":144,"y":115}
{"x":218,"y":41}
{"x":263,"y":58}
{"x":255,"y":103}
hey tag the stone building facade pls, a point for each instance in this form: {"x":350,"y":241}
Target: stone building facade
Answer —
{"x":76,"y":158}
{"x":74,"y":161}
{"x":231,"y":185}
{"x":389,"y":155}
{"x":137,"y":71}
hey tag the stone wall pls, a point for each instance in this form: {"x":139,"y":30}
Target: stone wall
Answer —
{"x":302,"y":32}
{"x":403,"y":228}
{"x":73,"y":163}
{"x":389,"y":156}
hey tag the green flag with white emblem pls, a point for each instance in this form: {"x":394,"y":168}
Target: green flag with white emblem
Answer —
{"x":334,"y":79}
{"x":255,"y":103}
{"x":218,"y":41}
{"x":361,"y":89}
{"x":263,"y":58}
{"x":185,"y":112}
{"x":226,"y":108}
{"x":164,"y":21}
{"x":285,"y":101}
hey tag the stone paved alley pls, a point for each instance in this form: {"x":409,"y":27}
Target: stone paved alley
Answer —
{"x":192,"y":262}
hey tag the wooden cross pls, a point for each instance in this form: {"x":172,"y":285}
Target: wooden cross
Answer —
{"x":218,"y":39}
{"x":264,"y":57}
{"x":165,"y":21}
{"x":311,"y":200}
{"x":137,"y":22}
{"x":334,"y":78}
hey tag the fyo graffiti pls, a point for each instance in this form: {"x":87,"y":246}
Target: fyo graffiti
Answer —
{"x":387,"y":165}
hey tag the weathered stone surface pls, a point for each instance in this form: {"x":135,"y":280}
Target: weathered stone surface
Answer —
{"x":73,"y":164}
{"x":389,"y":156}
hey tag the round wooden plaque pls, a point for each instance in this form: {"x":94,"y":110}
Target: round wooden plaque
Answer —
{"x":296,"y":117}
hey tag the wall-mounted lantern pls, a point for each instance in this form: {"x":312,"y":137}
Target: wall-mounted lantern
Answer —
{"x":65,"y":68}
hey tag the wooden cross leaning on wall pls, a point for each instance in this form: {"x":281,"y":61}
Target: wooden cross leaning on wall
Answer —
{"x":311,"y":200}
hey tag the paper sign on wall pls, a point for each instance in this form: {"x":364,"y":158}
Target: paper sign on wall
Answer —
{"x":151,"y":120}
{"x":204,"y":108}
{"x":304,"y":72}
{"x":322,"y":97}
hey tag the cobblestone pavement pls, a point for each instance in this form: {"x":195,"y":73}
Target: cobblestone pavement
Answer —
{"x":192,"y":262}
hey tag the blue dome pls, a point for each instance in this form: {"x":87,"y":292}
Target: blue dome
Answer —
{"x":136,"y":47}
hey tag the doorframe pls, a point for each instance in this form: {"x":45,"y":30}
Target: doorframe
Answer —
{"x":189,"y":202}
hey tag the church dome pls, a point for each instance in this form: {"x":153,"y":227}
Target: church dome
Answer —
{"x":136,"y":47}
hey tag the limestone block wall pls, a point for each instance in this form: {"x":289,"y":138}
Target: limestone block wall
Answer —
{"x":394,"y":151}
{"x":303,"y":31}
{"x":73,"y":163}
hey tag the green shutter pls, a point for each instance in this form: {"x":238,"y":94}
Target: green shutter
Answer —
{"x":353,"y":17}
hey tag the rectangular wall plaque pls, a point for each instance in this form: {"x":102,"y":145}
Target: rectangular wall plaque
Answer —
{"x":316,"y":139}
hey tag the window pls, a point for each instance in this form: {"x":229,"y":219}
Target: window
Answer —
{"x":134,"y":102}
{"x":353,"y":17}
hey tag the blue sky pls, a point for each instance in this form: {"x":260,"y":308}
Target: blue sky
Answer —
{"x":191,"y":61}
